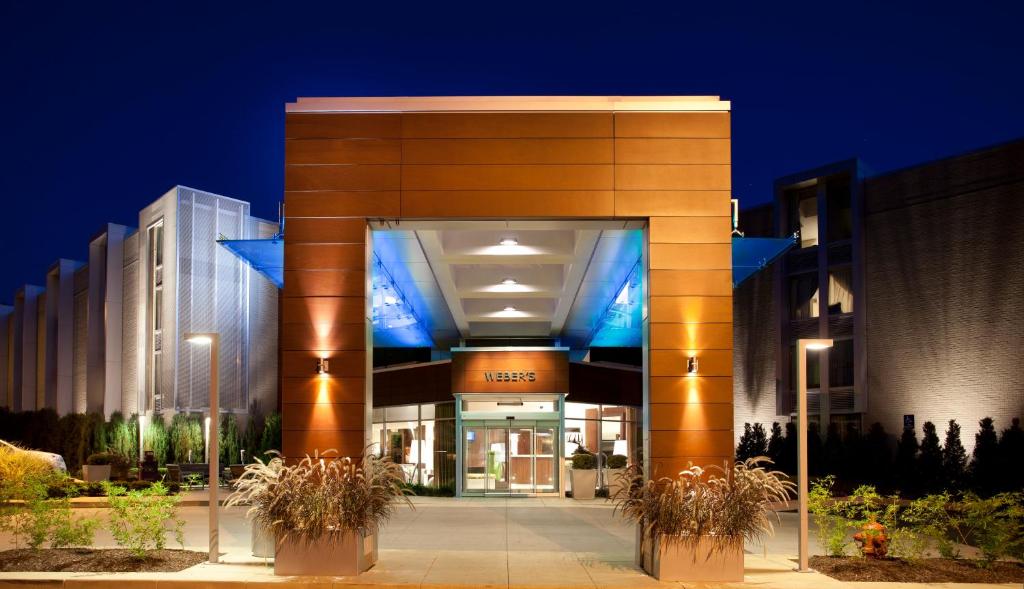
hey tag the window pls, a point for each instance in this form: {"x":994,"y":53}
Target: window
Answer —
{"x":813,"y":368}
{"x":840,"y":363}
{"x":840,"y":290}
{"x":848,"y":425}
{"x":803,"y":296}
{"x":840,"y":215}
{"x":420,"y":439}
{"x":154,"y":313}
{"x":803,"y":215}
{"x":605,"y":430}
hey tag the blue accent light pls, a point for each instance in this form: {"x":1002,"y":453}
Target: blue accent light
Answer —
{"x":750,"y":254}
{"x":395,"y":322}
{"x":620,"y":325}
{"x":265,"y":256}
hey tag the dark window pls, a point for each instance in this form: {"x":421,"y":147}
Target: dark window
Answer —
{"x":840,"y":290}
{"x":840,"y":363}
{"x":803,"y":214}
{"x":813,"y":368}
{"x":803,"y":296}
{"x":840,"y":215}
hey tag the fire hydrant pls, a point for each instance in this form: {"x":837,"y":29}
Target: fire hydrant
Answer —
{"x":873,"y":541}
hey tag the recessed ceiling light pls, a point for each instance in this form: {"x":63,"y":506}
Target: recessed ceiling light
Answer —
{"x":509,"y":281}
{"x":510,"y":309}
{"x":509,"y":241}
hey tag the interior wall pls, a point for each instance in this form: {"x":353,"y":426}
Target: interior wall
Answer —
{"x":345,"y":168}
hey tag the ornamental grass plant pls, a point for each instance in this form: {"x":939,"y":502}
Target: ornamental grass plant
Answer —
{"x":321,"y":497}
{"x":727,"y":505}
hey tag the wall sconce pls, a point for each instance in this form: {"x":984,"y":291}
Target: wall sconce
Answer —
{"x":691,"y":365}
{"x":323,"y":366}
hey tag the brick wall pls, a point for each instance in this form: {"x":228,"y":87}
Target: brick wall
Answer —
{"x":944,"y":292}
{"x":755,"y":327}
{"x":944,"y":247}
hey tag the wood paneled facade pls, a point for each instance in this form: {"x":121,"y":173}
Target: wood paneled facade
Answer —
{"x":663,"y":159}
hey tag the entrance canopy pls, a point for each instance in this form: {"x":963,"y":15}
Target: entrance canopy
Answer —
{"x":751,"y":254}
{"x":581,"y":280}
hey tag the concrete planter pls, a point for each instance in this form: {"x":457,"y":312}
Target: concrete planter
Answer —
{"x":345,"y":555}
{"x":583,"y":483}
{"x":96,"y":473}
{"x":262,"y":541}
{"x":611,"y":476}
{"x":702,"y":561}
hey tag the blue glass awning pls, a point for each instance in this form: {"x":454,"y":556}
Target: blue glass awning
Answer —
{"x":401,"y":321}
{"x":750,"y":254}
{"x":266,"y":256}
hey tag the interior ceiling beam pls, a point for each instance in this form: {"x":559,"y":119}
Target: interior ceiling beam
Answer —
{"x":430,"y":242}
{"x":586,"y":245}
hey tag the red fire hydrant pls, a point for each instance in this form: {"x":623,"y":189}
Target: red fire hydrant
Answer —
{"x":872,"y":540}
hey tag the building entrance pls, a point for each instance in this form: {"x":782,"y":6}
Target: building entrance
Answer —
{"x":509,"y":445}
{"x":510,"y":457}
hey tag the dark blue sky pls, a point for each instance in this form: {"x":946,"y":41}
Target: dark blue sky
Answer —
{"x":106,"y":106}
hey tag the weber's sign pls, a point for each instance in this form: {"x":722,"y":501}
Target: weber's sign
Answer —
{"x":510,"y":375}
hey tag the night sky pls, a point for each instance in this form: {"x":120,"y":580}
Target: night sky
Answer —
{"x":106,"y":106}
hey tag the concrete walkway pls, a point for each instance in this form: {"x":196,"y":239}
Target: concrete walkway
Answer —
{"x":529,"y":543}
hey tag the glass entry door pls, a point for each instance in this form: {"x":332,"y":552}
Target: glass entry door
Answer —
{"x":509,"y":457}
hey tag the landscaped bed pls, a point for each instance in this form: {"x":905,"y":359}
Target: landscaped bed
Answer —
{"x":114,"y":560}
{"x":928,"y":570}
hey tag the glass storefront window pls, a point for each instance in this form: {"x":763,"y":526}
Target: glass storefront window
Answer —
{"x":419,"y":438}
{"x":405,"y":413}
{"x":581,"y":411}
{"x":605,"y":430}
{"x":620,"y":412}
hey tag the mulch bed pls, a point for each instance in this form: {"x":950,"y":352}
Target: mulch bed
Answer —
{"x":928,"y":570}
{"x":114,"y":560}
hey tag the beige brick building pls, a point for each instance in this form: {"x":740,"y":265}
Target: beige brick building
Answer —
{"x":916,"y":273}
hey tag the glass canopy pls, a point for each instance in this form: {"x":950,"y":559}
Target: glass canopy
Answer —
{"x":396,"y":323}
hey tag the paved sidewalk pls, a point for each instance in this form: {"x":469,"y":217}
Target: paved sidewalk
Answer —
{"x":528,"y":543}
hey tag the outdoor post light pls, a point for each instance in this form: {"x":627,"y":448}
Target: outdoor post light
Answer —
{"x":142,"y":441}
{"x":213,"y":340}
{"x":802,"y":345}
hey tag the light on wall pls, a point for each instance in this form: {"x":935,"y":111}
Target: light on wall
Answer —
{"x":323,"y":366}
{"x":691,"y":365}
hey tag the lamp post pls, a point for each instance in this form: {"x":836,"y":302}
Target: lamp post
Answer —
{"x":212,"y":340}
{"x":802,"y":346}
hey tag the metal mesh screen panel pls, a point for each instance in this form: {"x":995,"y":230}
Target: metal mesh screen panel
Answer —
{"x":212,"y":296}
{"x":79,"y":347}
{"x":263,"y":315}
{"x":130,"y":334}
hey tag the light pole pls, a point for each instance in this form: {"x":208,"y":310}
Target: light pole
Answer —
{"x":212,"y":340}
{"x":802,"y":345}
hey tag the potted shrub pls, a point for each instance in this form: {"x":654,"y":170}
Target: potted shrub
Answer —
{"x":692,"y":527}
{"x":249,"y":490}
{"x":615,"y":467}
{"x":325,"y":513}
{"x":118,"y":466}
{"x":97,"y":467}
{"x":583,"y":475}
